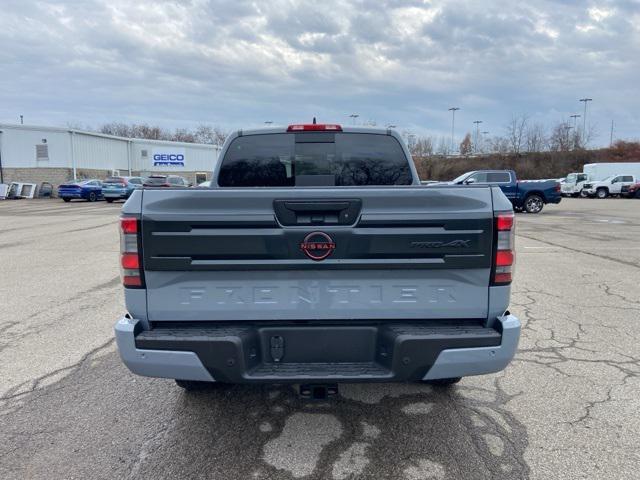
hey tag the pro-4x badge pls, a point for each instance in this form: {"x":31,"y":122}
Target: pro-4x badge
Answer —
{"x":317,"y":246}
{"x":450,"y":244}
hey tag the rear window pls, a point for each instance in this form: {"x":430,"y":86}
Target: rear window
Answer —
{"x":114,"y":180}
{"x":156,"y":180}
{"x":498,"y":177}
{"x":314,"y":159}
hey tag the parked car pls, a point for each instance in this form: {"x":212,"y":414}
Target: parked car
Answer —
{"x":169,"y":181}
{"x":120,"y":188}
{"x":372,"y":278}
{"x":90,"y":190}
{"x":527,"y":195}
{"x":631,"y":191}
{"x":611,"y":185}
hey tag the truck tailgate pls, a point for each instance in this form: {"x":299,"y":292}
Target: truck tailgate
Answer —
{"x":248,"y":254}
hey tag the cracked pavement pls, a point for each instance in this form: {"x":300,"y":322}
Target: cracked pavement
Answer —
{"x":565,"y":408}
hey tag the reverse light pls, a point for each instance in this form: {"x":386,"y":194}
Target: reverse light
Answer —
{"x":315,"y":127}
{"x":503,"y":254}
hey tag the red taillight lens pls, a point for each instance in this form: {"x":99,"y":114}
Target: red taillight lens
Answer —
{"x":504,"y":258}
{"x":504,"y":221}
{"x":503,"y":255}
{"x":129,"y":225}
{"x":130,"y":258}
{"x":130,"y":261}
{"x":315,"y":127}
{"x":132,"y":281}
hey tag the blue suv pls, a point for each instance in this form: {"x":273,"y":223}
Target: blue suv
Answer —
{"x":120,"y":188}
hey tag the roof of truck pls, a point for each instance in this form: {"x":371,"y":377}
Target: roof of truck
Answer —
{"x":344,"y":129}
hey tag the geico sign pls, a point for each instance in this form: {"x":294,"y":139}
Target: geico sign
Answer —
{"x":161,"y":159}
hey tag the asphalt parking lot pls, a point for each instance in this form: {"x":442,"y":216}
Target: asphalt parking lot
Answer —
{"x":567,"y":407}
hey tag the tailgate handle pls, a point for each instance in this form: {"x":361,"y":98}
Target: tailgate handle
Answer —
{"x":317,"y":212}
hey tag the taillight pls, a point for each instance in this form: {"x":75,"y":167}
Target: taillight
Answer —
{"x":130,"y":255}
{"x":504,"y":254}
{"x":558,"y":187}
{"x":315,"y":127}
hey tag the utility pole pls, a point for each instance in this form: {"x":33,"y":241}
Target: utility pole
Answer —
{"x":477,"y":122}
{"x":568,"y":138}
{"x":353,"y":117}
{"x":611,"y":136}
{"x":453,"y":125}
{"x":268,"y":122}
{"x":584,"y":117}
{"x":21,"y":120}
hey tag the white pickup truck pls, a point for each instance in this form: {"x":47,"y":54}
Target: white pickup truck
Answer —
{"x":611,"y":185}
{"x":316,"y":256}
{"x":572,"y":185}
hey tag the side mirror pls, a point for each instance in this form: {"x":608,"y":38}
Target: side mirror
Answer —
{"x":469,"y":181}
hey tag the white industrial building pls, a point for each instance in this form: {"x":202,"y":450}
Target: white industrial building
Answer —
{"x":47,"y":154}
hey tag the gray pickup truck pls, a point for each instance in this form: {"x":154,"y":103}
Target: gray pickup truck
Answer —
{"x":316,"y":257}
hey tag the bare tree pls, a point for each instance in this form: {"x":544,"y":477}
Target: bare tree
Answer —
{"x":116,"y":128}
{"x":515,"y":132}
{"x":210,"y":135}
{"x":444,"y":144}
{"x":561,"y":139}
{"x":536,"y":138}
{"x":423,"y":147}
{"x":183,"y":135}
{"x":466,"y":145}
{"x":581,"y":138}
{"x":500,"y":145}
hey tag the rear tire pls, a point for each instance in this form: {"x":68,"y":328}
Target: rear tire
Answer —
{"x":602,"y":193}
{"x":109,"y":200}
{"x":533,"y":203}
{"x":66,"y":200}
{"x":637,"y":195}
{"x":92,"y":197}
{"x":444,"y":382}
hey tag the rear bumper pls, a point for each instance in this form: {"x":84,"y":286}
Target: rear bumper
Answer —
{"x":115,"y":194}
{"x":556,"y":199}
{"x":333,"y":353}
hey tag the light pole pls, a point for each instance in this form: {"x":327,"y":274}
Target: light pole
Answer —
{"x":584,"y":117}
{"x":268,"y":122}
{"x":21,"y":120}
{"x":391,"y":126}
{"x":575,"y":127}
{"x":477,"y":122}
{"x":453,"y":124}
{"x":484,"y":133}
{"x":353,"y":117}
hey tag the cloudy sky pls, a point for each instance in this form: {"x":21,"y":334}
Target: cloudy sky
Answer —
{"x":241,"y":63}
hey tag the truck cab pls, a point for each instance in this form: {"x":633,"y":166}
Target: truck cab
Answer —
{"x":529,"y":196}
{"x":573,"y":184}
